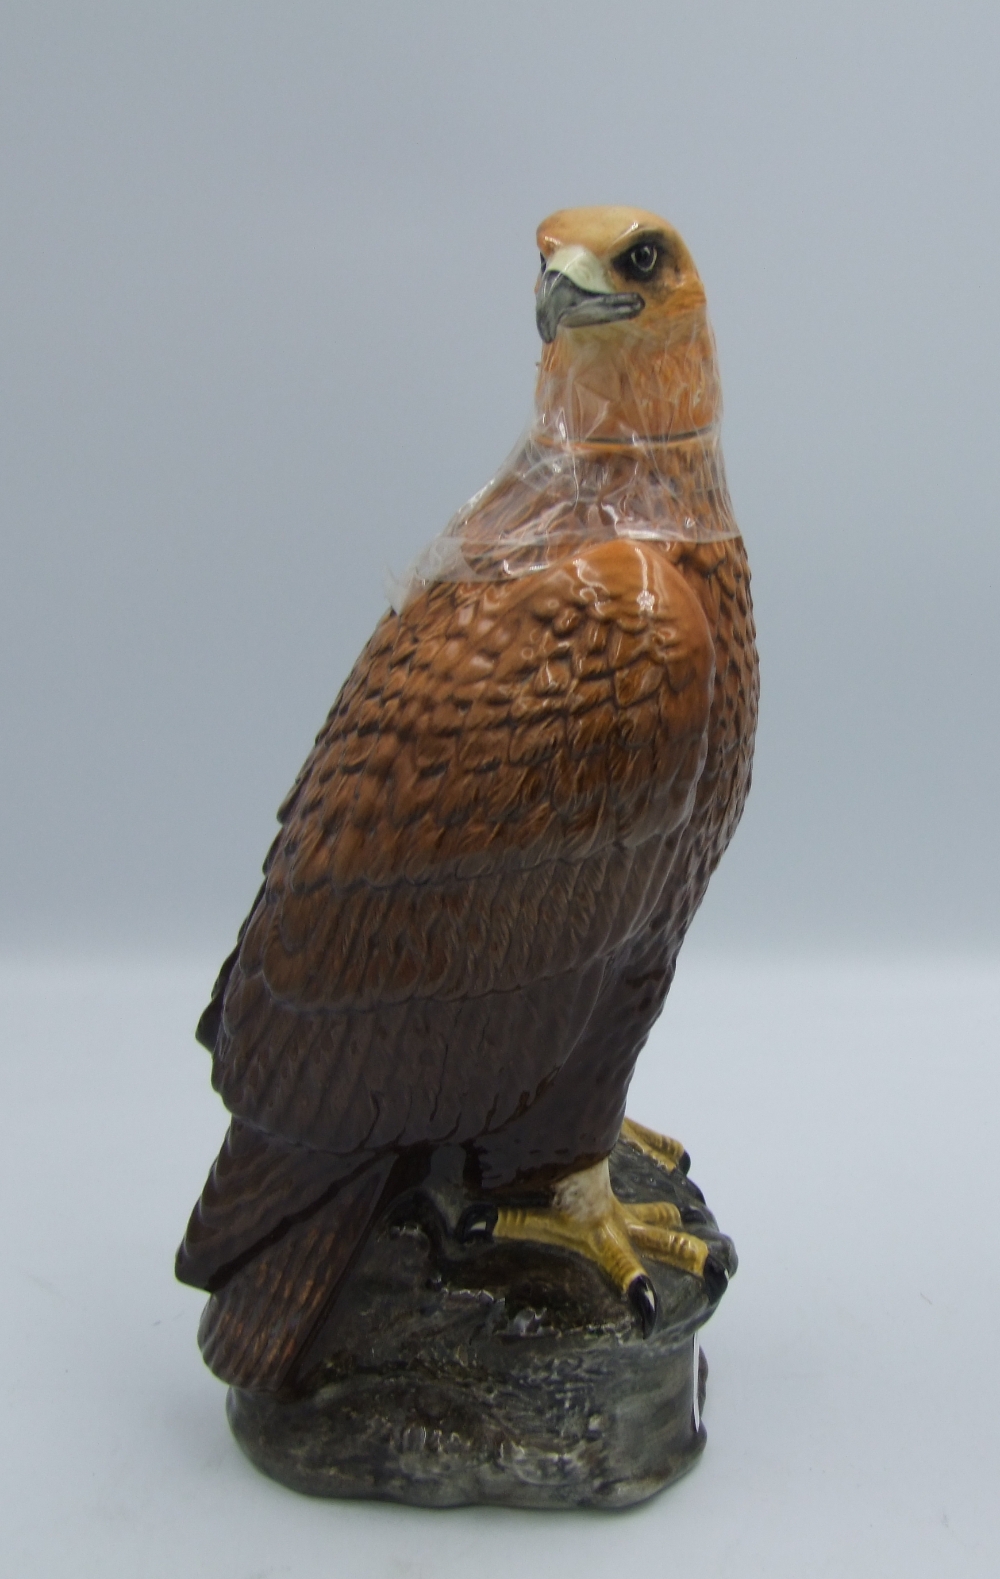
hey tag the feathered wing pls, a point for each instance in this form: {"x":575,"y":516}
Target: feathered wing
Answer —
{"x":481,"y":823}
{"x":482,"y":815}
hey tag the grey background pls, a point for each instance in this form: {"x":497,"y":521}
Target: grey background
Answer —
{"x":265,"y":319}
{"x":266,"y":279}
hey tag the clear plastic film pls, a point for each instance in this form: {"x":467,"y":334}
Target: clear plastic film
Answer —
{"x":577,"y":476}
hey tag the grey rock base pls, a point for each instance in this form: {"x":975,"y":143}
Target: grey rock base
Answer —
{"x":495,"y":1372}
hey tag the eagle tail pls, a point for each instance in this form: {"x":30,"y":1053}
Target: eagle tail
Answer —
{"x":255,"y":1328}
{"x":276,"y":1228}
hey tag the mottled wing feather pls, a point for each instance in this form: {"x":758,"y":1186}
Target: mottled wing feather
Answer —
{"x":481,"y":822}
{"x":207,"y":1032}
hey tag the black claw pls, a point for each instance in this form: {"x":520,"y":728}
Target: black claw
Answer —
{"x":684,"y":1163}
{"x":693,"y":1217}
{"x":693,"y":1188}
{"x":642,"y":1298}
{"x":715,"y":1276}
{"x":476,"y":1222}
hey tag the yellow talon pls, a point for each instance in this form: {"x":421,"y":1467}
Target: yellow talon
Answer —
{"x":651,"y":1214}
{"x":670,"y":1154}
{"x":587,"y":1217}
{"x":679,"y":1250}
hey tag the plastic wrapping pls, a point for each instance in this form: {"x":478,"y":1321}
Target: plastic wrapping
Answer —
{"x":578,"y":475}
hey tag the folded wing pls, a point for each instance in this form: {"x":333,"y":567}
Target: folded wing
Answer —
{"x":482,"y":822}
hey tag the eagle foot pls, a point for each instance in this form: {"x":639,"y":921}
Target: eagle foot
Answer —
{"x":587,"y":1217}
{"x":670,"y":1154}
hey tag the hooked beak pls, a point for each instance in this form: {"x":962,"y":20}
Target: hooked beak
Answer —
{"x":572,"y":293}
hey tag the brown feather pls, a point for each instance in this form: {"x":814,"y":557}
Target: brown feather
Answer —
{"x":254,"y":1330}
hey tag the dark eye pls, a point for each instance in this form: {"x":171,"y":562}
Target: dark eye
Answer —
{"x":644,"y":260}
{"x":644,"y":257}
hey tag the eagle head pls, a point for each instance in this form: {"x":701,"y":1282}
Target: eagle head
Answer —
{"x":628,"y":351}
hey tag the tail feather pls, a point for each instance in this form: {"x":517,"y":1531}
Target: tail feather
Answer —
{"x":255,"y":1328}
{"x":259,"y":1186}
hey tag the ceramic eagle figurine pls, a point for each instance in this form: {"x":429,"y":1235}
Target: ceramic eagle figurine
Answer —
{"x":472,"y":911}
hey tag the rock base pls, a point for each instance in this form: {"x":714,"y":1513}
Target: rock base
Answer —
{"x":496,"y":1372}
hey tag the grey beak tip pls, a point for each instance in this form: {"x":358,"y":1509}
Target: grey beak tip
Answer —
{"x":547,"y":334}
{"x":561,"y":301}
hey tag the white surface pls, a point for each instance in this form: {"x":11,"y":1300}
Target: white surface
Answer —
{"x":843,"y":1122}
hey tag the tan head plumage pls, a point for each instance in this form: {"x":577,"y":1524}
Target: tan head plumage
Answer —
{"x":621,"y":307}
